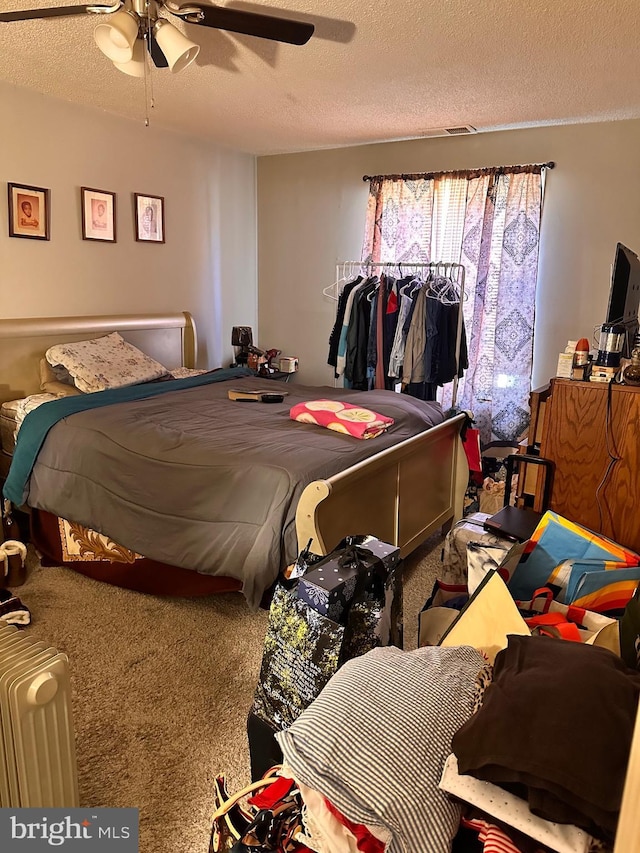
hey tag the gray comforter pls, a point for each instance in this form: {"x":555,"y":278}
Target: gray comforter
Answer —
{"x":195,"y":480}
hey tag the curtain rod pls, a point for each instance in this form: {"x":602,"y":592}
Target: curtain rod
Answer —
{"x":415,"y":176}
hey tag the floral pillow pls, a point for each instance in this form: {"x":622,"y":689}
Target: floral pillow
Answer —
{"x":187,"y":372}
{"x":103,"y":363}
{"x":59,"y":382}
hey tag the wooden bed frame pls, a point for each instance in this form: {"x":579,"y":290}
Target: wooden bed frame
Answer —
{"x":402,"y":494}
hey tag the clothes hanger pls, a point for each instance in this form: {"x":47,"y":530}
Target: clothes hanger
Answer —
{"x":431,"y":291}
{"x":439,"y":289}
{"x":376,"y":284}
{"x":415,"y":282}
{"x":450,"y":294}
{"x":433,"y":282}
{"x":333,"y":290}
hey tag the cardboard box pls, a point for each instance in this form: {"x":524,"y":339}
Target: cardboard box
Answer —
{"x":288,"y":364}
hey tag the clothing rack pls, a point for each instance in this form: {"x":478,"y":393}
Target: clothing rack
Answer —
{"x":346,"y":270}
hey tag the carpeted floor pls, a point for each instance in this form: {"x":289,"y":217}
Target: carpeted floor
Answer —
{"x":161,"y":690}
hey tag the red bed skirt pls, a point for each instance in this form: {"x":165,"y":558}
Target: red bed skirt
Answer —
{"x":141,"y":575}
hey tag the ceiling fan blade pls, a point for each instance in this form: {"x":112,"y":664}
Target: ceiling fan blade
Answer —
{"x":247,"y":23}
{"x":61,"y":11}
{"x":158,"y":57}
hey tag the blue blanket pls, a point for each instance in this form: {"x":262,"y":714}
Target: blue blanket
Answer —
{"x":37,"y":423}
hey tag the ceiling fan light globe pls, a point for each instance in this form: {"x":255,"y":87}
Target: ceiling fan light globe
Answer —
{"x":135,"y":67}
{"x":116,"y":37}
{"x":179,"y":51}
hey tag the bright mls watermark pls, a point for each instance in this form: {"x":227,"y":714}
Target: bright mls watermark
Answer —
{"x":79,"y":830}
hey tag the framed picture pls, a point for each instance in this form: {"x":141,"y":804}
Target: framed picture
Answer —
{"x":98,"y":215}
{"x":149,"y":218}
{"x":28,"y":212}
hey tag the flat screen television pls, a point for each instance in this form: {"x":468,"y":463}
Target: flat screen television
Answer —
{"x":624,"y":295}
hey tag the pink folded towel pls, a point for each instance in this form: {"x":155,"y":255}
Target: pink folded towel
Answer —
{"x":341,"y":417}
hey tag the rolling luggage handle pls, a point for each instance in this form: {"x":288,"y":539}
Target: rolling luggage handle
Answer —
{"x":547,"y":466}
{"x":519,"y":522}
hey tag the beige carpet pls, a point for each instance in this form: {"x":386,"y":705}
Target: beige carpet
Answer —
{"x":161,"y":691}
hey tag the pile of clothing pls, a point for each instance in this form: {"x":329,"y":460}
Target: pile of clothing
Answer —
{"x":409,"y":752}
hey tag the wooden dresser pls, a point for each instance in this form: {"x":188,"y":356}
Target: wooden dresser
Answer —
{"x":589,"y":487}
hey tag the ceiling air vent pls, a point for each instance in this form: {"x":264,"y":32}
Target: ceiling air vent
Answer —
{"x":448,"y":131}
{"x":459,"y":131}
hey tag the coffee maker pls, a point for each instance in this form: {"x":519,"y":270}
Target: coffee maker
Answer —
{"x":607,"y":363}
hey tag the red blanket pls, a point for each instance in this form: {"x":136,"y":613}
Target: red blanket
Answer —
{"x":341,"y":417}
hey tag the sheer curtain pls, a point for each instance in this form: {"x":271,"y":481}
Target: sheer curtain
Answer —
{"x":488,"y":220}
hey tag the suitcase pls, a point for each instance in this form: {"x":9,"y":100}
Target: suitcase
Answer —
{"x":518,"y":523}
{"x":454,"y":551}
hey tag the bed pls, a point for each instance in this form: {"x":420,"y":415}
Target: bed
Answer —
{"x":400,"y":486}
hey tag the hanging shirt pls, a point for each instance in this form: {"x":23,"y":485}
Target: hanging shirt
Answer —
{"x":396,"y":356}
{"x":448,"y":360}
{"x":390,"y":321}
{"x":358,"y":336}
{"x":372,"y":354}
{"x":381,"y":307}
{"x":342,"y":344}
{"x":413,"y":367}
{"x":372,"y":351}
{"x":432,"y":330}
{"x":334,"y":337}
{"x":441,"y":359}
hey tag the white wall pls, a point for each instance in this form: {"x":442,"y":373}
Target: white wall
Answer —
{"x":311,"y":211}
{"x":208,"y":263}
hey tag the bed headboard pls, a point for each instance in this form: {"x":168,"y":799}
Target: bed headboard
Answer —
{"x":169,"y":338}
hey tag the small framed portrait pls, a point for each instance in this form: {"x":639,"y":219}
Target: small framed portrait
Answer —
{"x":149,"y":218}
{"x":98,"y":215}
{"x":28,"y":212}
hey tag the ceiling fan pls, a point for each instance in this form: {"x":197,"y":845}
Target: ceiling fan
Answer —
{"x":129,"y":25}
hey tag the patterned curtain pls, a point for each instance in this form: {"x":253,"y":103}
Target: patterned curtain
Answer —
{"x":399,"y":221}
{"x":490,"y":222}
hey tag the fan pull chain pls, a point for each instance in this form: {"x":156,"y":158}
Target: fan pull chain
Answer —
{"x":149,"y":100}
{"x":146,"y":96}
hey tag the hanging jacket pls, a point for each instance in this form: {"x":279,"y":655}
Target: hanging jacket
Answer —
{"x":334,"y":337}
{"x":342,"y":344}
{"x":413,"y":367}
{"x":358,"y":338}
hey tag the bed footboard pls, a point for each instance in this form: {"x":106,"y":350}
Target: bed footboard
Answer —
{"x":401,"y":495}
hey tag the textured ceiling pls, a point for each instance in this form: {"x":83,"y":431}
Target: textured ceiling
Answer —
{"x":391,"y":69}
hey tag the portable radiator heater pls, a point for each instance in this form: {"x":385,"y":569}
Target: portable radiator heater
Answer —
{"x":37,"y":747}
